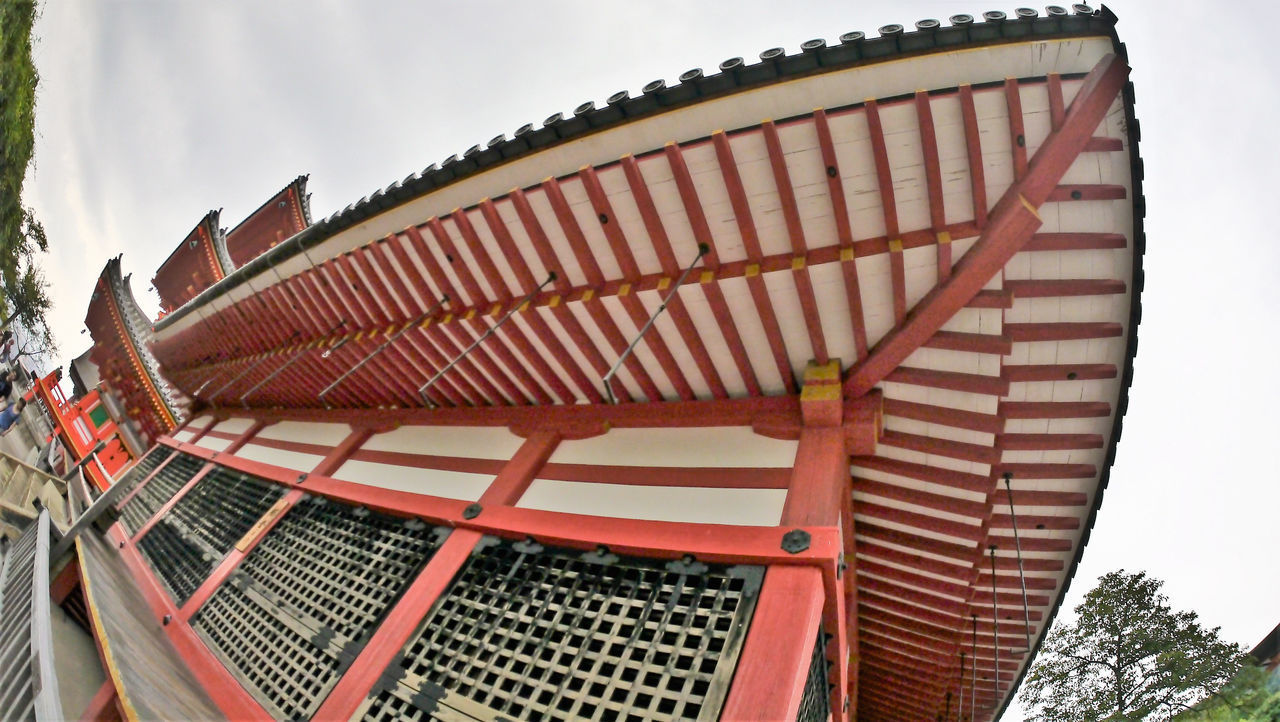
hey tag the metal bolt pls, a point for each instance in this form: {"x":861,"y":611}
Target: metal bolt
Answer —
{"x":472,"y":511}
{"x":167,"y":618}
{"x":795,"y":541}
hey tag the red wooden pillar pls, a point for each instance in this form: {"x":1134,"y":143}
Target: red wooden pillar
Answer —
{"x":771,"y":675}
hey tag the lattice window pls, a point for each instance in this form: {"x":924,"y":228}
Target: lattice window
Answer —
{"x":815,"y":704}
{"x":297,"y":611}
{"x":138,"y":511}
{"x":185,"y":544}
{"x":533,"y":633}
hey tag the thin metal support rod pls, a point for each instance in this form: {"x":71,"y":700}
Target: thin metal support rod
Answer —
{"x":973,"y":687}
{"x":297,"y":357}
{"x":382,"y":346}
{"x":239,"y":376}
{"x":208,"y":381}
{"x":703,"y":250}
{"x":960,"y":706}
{"x":422,"y":391}
{"x":1013,"y":518}
{"x":995,"y":621}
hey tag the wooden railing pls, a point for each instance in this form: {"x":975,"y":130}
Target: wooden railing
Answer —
{"x":21,"y":487}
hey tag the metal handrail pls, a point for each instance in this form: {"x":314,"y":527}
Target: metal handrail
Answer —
{"x":28,"y":678}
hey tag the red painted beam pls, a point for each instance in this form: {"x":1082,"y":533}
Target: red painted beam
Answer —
{"x":715,"y":296}
{"x":971,"y":420}
{"x":1054,"y":409}
{"x":923,"y":472}
{"x":1068,"y":287}
{"x":1049,"y":442}
{"x":795,"y":231}
{"x":1088,"y":192}
{"x":973,"y":146}
{"x":951,"y":380}
{"x":977,"y":453}
{"x":1017,"y":135}
{"x":399,"y":624}
{"x":769,"y":680}
{"x":844,"y":231}
{"x":937,"y":502}
{"x":971,"y":342}
{"x":1011,"y":225}
{"x":1058,"y":372}
{"x":751,"y":242}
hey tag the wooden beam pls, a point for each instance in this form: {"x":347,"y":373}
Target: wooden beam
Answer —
{"x":1011,"y":225}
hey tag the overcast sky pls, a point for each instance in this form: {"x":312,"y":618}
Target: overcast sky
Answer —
{"x":152,"y":113}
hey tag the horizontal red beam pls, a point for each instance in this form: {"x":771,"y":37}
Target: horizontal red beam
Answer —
{"x":1054,"y":409}
{"x":971,"y":420}
{"x":1076,"y":242}
{"x":1030,"y":332}
{"x":1093,"y":192}
{"x":950,"y":380}
{"x":1058,"y":372}
{"x":976,"y":453}
{"x":972,"y":342}
{"x":1068,"y":287}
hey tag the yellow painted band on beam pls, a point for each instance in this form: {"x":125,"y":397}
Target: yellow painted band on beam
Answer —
{"x":797,"y":263}
{"x":752,"y":270}
{"x":663,"y":283}
{"x":846,"y":254}
{"x":1027,"y":204}
{"x":707,"y":277}
{"x":624,"y":289}
{"x":895,"y":246}
{"x":555,"y":301}
{"x":944,"y":237}
{"x":588,"y":294}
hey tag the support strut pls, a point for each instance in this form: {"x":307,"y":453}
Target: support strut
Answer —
{"x":551,"y":276}
{"x":703,"y":250}
{"x":1013,"y":519}
{"x":381,"y":347}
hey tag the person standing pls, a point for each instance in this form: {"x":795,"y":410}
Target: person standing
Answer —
{"x":10,"y":415}
{"x":6,"y":384}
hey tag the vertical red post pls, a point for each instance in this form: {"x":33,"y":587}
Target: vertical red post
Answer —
{"x":796,"y":602}
{"x":769,"y":681}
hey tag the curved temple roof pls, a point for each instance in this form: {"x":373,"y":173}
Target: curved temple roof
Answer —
{"x":121,"y":333}
{"x":970,"y":249}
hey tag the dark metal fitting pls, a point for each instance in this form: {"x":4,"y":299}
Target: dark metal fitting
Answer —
{"x":795,"y":541}
{"x":472,"y":511}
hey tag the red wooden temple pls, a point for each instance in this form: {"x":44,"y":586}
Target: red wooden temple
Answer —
{"x":657,"y":410}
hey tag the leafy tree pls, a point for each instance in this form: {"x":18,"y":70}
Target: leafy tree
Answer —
{"x":1128,"y":656}
{"x":1253,"y":696}
{"x":22,"y":236}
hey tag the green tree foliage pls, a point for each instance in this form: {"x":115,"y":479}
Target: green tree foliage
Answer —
{"x":1253,"y":696}
{"x":1128,"y":656}
{"x":22,"y":236}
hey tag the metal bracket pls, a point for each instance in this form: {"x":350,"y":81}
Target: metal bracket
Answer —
{"x":703,"y":249}
{"x":472,"y":511}
{"x":795,"y":541}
